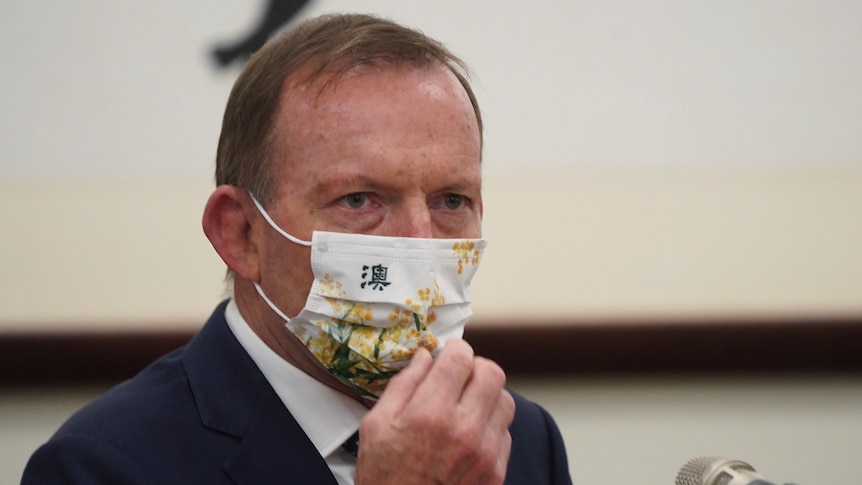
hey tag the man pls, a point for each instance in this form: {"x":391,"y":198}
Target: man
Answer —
{"x":345,"y":133}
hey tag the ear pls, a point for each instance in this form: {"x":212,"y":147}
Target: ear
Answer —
{"x":227,"y":224}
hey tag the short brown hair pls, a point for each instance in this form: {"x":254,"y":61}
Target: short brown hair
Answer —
{"x":331,"y":43}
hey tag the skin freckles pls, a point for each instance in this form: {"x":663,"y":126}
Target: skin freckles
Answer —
{"x":391,"y":150}
{"x":385,"y":137}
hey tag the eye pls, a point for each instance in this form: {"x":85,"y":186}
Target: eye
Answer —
{"x":355,"y":201}
{"x":454,"y":201}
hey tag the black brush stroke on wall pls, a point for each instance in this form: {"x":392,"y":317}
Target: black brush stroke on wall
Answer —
{"x":276,"y":14}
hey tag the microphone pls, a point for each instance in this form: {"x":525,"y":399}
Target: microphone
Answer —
{"x":712,"y":470}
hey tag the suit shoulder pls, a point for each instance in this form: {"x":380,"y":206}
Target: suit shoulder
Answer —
{"x":82,"y":459}
{"x":161,"y":384}
{"x":538,"y":452}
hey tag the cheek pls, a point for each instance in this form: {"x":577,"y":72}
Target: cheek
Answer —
{"x":286,"y":267}
{"x":476,"y":229}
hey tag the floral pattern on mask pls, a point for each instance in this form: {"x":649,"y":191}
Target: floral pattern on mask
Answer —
{"x":365,"y":357}
{"x":467,"y":252}
{"x":351,"y":313}
{"x":362,"y":340}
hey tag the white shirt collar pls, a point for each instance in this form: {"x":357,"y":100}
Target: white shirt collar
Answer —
{"x":327,"y":416}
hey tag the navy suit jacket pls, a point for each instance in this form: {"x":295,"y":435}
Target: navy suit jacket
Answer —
{"x":205,"y":414}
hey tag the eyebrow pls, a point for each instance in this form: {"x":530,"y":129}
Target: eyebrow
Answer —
{"x":338,"y":183}
{"x":328,"y":182}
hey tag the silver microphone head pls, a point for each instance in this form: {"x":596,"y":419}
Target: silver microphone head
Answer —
{"x":713,"y":470}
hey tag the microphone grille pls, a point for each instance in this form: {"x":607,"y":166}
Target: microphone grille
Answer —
{"x":693,"y":472}
{"x":713,"y":470}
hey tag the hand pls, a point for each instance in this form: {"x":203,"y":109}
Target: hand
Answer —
{"x":439,"y":422}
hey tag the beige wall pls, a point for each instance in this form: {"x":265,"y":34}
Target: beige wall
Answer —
{"x":124,"y":255}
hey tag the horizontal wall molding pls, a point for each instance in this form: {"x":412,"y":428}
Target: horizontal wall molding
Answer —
{"x":813,"y":345}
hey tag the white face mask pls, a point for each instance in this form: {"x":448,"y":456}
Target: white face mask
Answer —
{"x":376,"y":300}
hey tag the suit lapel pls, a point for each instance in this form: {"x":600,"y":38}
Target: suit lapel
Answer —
{"x":233,"y":397}
{"x":276,"y":450}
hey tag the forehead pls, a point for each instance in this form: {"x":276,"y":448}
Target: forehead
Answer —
{"x":312,"y":87}
{"x":401,"y":126}
{"x":408,"y":100}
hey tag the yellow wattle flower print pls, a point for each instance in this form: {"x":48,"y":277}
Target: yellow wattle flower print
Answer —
{"x":365,"y":357}
{"x":467,"y":253}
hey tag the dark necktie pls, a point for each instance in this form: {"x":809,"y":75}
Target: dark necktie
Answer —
{"x":352,"y":444}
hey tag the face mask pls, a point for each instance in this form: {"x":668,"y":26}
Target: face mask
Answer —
{"x":376,"y":300}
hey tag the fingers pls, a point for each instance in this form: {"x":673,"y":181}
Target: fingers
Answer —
{"x":485,"y":412}
{"x":402,"y":387}
{"x":483,"y":390}
{"x":474,"y":387}
{"x":443,"y":421}
{"x":477,"y":410}
{"x":445,"y":381}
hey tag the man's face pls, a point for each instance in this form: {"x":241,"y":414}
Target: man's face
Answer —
{"x":392,"y":152}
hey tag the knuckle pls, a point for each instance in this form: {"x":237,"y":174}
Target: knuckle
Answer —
{"x":433,"y":426}
{"x":468,"y":437}
{"x":490,"y":372}
{"x":458,"y":353}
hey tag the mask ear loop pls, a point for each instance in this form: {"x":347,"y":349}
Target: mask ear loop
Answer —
{"x":269,"y":302}
{"x":290,"y":238}
{"x":275,"y":226}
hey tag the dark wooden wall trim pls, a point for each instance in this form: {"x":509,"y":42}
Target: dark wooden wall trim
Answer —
{"x":832,"y":345}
